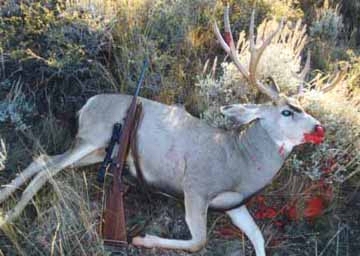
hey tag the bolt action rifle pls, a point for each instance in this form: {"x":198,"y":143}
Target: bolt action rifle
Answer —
{"x":114,"y":228}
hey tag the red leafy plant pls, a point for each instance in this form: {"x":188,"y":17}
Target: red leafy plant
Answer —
{"x":308,"y":204}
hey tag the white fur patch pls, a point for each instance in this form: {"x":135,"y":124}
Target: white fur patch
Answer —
{"x":287,"y":145}
{"x":243,"y":220}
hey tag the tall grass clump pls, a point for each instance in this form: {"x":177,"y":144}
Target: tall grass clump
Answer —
{"x":170,"y":33}
{"x":66,"y":224}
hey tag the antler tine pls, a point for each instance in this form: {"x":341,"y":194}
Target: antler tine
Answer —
{"x":339,"y":76}
{"x":255,"y":55}
{"x":304,"y":72}
{"x":221,"y":39}
{"x":229,"y":46}
{"x":251,"y":32}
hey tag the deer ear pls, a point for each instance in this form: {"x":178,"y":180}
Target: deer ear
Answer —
{"x":241,"y":113}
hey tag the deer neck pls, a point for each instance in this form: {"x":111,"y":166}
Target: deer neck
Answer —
{"x":265,"y":153}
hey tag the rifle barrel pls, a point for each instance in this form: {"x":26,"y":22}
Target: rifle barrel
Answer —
{"x":141,"y":79}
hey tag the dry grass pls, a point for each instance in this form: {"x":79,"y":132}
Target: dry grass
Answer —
{"x":65,"y":222}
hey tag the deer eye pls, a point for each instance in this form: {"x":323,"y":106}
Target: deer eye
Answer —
{"x":287,"y":113}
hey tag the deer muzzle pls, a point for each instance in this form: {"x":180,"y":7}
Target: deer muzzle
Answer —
{"x":317,"y":136}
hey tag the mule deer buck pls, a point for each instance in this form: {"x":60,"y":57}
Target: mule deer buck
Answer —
{"x":209,"y":167}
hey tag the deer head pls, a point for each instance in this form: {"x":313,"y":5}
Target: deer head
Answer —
{"x":283,"y":118}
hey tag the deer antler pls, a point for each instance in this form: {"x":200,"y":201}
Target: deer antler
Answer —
{"x":255,"y":52}
{"x":339,"y":77}
{"x":303,"y":73}
{"x":330,"y":84}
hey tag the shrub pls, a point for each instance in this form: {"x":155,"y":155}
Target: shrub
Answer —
{"x":350,"y":11}
{"x":53,"y":51}
{"x":289,"y":9}
{"x":327,"y":32}
{"x":328,"y":24}
{"x":16,"y":107}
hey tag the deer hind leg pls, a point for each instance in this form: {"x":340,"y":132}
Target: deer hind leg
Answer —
{"x":36,"y":166}
{"x":243,"y":220}
{"x":196,"y":216}
{"x":59,"y":162}
{"x":45,"y":162}
{"x":94,"y":157}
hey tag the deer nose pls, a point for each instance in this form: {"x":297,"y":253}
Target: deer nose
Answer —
{"x":319,"y":129}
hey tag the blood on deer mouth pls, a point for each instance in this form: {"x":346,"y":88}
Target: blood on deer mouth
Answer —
{"x":315,"y":137}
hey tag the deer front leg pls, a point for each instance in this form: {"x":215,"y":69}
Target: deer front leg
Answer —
{"x":243,"y":220}
{"x":195,"y":216}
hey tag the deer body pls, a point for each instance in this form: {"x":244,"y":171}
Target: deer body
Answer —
{"x":210,"y":167}
{"x":177,"y":150}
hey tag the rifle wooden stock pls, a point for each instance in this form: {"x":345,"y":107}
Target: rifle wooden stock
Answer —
{"x":114,"y":226}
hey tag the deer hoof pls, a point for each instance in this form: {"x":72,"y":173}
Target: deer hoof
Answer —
{"x":147,"y":241}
